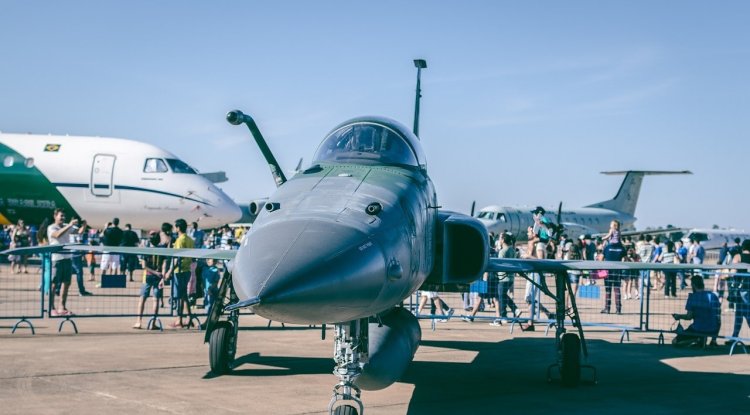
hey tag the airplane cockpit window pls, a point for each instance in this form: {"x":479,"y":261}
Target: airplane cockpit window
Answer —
{"x":490,"y":215}
{"x":155,"y":166}
{"x":366,"y":143}
{"x":698,"y":236}
{"x":179,"y":166}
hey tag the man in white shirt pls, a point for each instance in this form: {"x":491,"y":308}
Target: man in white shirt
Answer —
{"x":60,"y":233}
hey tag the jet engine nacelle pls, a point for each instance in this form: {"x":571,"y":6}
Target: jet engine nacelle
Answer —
{"x":392,"y":347}
{"x":462,"y":249}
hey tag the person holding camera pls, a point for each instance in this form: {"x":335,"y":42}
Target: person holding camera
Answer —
{"x":59,"y":233}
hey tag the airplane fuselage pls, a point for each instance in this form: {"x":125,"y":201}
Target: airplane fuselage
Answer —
{"x":577,"y":222}
{"x":99,"y":178}
{"x":340,"y":241}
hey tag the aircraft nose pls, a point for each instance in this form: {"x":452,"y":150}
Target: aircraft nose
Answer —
{"x":224,"y":211}
{"x":310,"y":271}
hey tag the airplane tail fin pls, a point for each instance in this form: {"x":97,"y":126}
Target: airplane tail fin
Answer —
{"x":626,"y":198}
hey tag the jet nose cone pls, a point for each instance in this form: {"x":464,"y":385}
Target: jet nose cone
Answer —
{"x":310,"y":271}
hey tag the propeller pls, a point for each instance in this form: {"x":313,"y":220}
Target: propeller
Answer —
{"x":473,"y":205}
{"x":559,"y":220}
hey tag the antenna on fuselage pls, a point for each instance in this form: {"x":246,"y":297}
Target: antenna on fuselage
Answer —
{"x":237,"y":117}
{"x":419,"y":64}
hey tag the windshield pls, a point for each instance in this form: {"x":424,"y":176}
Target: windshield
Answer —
{"x":366,"y":143}
{"x":698,"y":236}
{"x":154,"y":165}
{"x":179,"y":166}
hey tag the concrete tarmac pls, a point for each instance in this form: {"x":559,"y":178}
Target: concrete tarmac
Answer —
{"x":459,"y":368}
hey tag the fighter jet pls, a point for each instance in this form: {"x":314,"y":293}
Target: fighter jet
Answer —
{"x":345,"y":242}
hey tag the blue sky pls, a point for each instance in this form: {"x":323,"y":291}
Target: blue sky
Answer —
{"x":524,"y":102}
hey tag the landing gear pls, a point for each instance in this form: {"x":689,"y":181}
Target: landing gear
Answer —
{"x":345,"y":410}
{"x":571,"y":347}
{"x":222,"y":347}
{"x":570,"y":360}
{"x":350,"y":354}
{"x":222,"y":335}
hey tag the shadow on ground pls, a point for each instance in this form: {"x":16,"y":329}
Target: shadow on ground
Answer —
{"x":510,"y":377}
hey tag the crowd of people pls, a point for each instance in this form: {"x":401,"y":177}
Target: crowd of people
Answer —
{"x":547,"y":241}
{"x":188,"y":278}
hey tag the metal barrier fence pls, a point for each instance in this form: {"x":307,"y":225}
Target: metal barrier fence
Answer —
{"x":642,"y":306}
{"x":90,"y":294}
{"x":22,"y":297}
{"x":27,"y":296}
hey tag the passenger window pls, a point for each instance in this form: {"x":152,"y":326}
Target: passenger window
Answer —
{"x":501,"y":217}
{"x":29,"y":162}
{"x":8,"y":161}
{"x":155,"y":166}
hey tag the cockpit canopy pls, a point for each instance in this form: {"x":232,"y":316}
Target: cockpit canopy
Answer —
{"x":370,"y":141}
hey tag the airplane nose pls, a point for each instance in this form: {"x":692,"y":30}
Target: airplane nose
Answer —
{"x":310,"y":271}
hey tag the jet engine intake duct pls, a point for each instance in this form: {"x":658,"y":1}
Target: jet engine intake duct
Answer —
{"x":392,"y":348}
{"x":462,"y":249}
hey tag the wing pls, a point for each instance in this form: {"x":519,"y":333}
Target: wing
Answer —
{"x":219,"y":254}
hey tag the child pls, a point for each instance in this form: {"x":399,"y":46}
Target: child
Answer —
{"x":211,"y":278}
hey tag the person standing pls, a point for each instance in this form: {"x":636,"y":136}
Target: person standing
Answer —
{"x":630,"y":276}
{"x":699,"y":253}
{"x":613,"y":252}
{"x":211,"y":277}
{"x":153,"y":280}
{"x":644,"y":250}
{"x":130,"y":239}
{"x":197,"y":235}
{"x":681,"y":251}
{"x":112,"y":237}
{"x":181,"y":270}
{"x":59,"y":234}
{"x":739,"y":290}
{"x":77,"y":258}
{"x":668,"y":256}
{"x":505,"y":281}
{"x":20,"y":238}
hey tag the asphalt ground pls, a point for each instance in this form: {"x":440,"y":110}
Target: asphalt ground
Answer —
{"x":459,"y":368}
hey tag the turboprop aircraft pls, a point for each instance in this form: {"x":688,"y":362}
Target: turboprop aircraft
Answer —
{"x":592,"y":219}
{"x":98,"y":178}
{"x":345,"y":242}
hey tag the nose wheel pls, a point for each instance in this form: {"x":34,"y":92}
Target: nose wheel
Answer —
{"x":222,"y":347}
{"x":222,"y":335}
{"x":350,"y":354}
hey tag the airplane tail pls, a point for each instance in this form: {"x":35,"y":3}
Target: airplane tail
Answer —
{"x":627,"y":197}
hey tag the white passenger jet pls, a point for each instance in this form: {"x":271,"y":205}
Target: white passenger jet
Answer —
{"x":592,"y":219}
{"x":98,"y":179}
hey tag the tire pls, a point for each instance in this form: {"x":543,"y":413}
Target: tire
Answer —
{"x":570,"y":365}
{"x":345,"y":410}
{"x":219,"y":356}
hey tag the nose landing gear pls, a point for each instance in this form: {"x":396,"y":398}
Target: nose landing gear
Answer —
{"x":350,"y":354}
{"x":222,"y":335}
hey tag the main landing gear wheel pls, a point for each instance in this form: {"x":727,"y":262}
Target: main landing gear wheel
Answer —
{"x":570,"y":360}
{"x":345,"y":410}
{"x":221,"y":348}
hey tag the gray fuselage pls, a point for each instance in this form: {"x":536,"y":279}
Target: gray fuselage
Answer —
{"x":315,"y":254}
